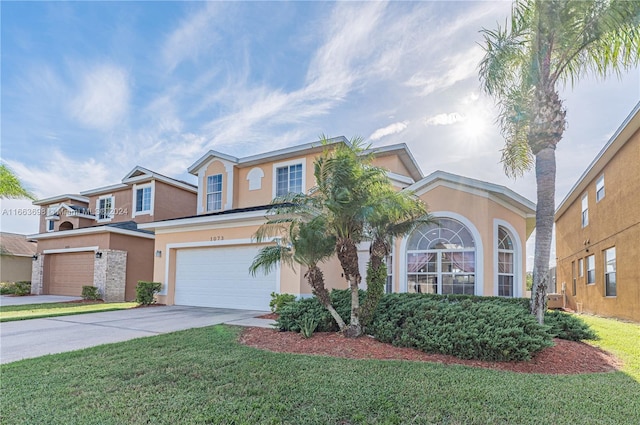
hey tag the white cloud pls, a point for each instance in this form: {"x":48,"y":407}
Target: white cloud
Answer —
{"x":102,"y":100}
{"x":388,"y":130}
{"x":194,"y":35}
{"x":444,"y":119}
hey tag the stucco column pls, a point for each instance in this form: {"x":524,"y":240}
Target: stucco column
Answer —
{"x":37,"y":272}
{"x":110,"y":275}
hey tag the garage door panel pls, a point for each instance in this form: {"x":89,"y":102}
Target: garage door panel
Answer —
{"x":219,"y":277}
{"x":67,"y":273}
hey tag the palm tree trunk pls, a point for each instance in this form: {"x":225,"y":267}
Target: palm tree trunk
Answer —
{"x":545,"y":208}
{"x":315,"y":277}
{"x":348,"y":256}
{"x":376,"y":279}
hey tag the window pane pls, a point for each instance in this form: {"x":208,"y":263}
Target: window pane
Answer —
{"x":600,"y":188}
{"x":138,"y":200}
{"x":610,"y":285}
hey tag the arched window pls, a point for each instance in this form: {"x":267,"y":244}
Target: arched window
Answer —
{"x":441,"y":259}
{"x":65,"y":226}
{"x":505,"y":263}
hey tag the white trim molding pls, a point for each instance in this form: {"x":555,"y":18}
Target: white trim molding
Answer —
{"x":134,"y":203}
{"x":91,"y":230}
{"x":181,"y":223}
{"x":302,"y":161}
{"x":65,"y":250}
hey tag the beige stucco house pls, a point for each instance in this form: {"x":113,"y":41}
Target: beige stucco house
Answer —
{"x":203,"y":260}
{"x":598,"y":230}
{"x":93,"y":238}
{"x":16,"y":253}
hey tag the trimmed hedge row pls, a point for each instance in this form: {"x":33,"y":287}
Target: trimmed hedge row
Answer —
{"x":470,"y":327}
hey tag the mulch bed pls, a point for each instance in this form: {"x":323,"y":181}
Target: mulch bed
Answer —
{"x":565,"y":357}
{"x":272,"y":316}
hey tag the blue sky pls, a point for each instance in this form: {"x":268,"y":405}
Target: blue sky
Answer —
{"x":92,"y":89}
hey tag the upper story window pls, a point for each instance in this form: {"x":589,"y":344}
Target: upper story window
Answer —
{"x":585,"y":210}
{"x":288,"y":179}
{"x":600,"y":188}
{"x":50,"y":225}
{"x":143,"y":199}
{"x":214,"y":192}
{"x":104,"y":208}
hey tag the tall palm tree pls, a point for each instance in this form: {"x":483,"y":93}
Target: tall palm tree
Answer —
{"x":549,"y":43}
{"x":305,"y":243}
{"x":395,"y":215}
{"x":10,"y":185}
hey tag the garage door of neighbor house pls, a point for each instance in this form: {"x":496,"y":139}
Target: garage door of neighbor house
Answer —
{"x":219,"y":277}
{"x":67,"y":273}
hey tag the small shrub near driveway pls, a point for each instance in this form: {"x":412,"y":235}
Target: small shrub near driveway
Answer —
{"x":280,"y":300}
{"x":7,"y":288}
{"x":145,"y":292}
{"x":23,"y":288}
{"x":292,"y":314}
{"x":90,"y":293}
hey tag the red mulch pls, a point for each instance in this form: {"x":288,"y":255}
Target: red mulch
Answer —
{"x":565,"y":357}
{"x":272,"y":316}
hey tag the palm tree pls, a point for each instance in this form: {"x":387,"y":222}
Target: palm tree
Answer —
{"x":303,"y":242}
{"x":395,"y":215}
{"x":346,"y":184}
{"x":547,"y":44}
{"x":10,"y":185}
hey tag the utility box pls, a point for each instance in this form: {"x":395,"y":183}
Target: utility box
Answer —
{"x":554,"y":301}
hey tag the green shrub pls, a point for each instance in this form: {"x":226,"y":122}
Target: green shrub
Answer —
{"x":145,"y":292}
{"x":90,"y":293}
{"x":307,"y":326}
{"x":280,"y":300}
{"x":292,"y":314}
{"x":459,"y":326}
{"x":23,"y":288}
{"x":7,"y":288}
{"x":568,"y":326}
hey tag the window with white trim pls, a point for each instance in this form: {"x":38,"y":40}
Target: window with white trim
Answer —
{"x":105,"y":208}
{"x":289,"y":179}
{"x":610,"y":289}
{"x":214,"y":192}
{"x":600,"y":188}
{"x":506,"y":274}
{"x":441,"y":259}
{"x":573,"y":278}
{"x":585,"y":210}
{"x":50,"y":225}
{"x":591,"y":269}
{"x":143,"y":199}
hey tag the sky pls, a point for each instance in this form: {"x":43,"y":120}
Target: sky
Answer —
{"x":89,"y":90}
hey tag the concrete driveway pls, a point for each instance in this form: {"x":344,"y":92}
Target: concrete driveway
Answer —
{"x":37,"y":337}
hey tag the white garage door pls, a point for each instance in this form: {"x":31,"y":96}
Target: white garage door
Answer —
{"x":219,"y":277}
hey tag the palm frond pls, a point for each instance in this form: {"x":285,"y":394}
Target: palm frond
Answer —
{"x":269,"y":257}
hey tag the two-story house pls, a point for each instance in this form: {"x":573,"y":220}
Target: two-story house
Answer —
{"x":598,"y":230}
{"x":478,"y":246}
{"x":92,"y":238}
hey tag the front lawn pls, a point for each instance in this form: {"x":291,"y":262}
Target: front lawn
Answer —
{"x":38,"y":311}
{"x":203,"y":376}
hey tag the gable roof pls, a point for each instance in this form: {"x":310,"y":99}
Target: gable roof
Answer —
{"x":400,"y":149}
{"x":628,"y":128}
{"x":498,"y":193}
{"x":16,"y":245}
{"x":58,"y":198}
{"x":138,"y":175}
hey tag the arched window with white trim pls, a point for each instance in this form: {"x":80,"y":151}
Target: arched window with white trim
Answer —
{"x":506,"y":270}
{"x":441,"y":259}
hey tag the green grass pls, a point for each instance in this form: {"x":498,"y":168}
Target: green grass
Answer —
{"x":37,"y":311}
{"x":619,"y":338}
{"x":203,"y":376}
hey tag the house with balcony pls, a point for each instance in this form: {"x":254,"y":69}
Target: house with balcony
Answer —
{"x":598,"y":230}
{"x":477,"y":247}
{"x":93,"y":238}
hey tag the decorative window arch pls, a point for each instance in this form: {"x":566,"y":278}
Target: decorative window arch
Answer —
{"x":441,"y":258}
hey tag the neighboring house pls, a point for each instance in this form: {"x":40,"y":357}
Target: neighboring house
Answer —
{"x":16,"y":255}
{"x":203,"y":260}
{"x":93,"y":238}
{"x":598,"y":230}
